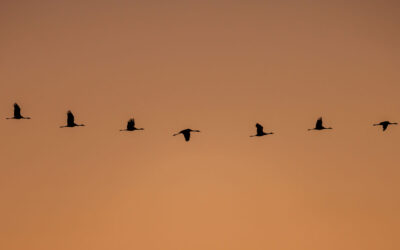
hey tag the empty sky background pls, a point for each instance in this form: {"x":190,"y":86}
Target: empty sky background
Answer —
{"x":217,"y":66}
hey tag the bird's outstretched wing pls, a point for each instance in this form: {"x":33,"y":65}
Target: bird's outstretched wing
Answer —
{"x":70,"y":118}
{"x":318,"y":124}
{"x":17,"y":110}
{"x":260,"y":129}
{"x":186,"y":134}
{"x":131,"y":124}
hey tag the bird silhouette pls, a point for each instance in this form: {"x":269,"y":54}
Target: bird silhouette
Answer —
{"x":71,"y":121}
{"x":17,"y":113}
{"x":319,"y":126}
{"x":260,"y":131}
{"x":385,"y":124}
{"x":130,"y":126}
{"x":186,"y":133}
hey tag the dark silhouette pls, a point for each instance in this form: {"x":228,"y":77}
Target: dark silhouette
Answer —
{"x":260,"y":131}
{"x":318,"y":125}
{"x":17,"y":113}
{"x":131,"y":126}
{"x":186,"y":133}
{"x":71,"y":121}
{"x":385,"y":124}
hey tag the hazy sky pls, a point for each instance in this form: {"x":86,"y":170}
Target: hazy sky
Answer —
{"x":220,"y":67}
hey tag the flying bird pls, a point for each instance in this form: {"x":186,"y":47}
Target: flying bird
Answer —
{"x":319,"y":126}
{"x":17,"y":113}
{"x":260,"y":131}
{"x":130,"y":126}
{"x":385,"y":124}
{"x":186,"y":133}
{"x":71,"y":121}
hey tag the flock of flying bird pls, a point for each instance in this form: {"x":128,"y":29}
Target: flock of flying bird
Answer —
{"x":186,"y":132}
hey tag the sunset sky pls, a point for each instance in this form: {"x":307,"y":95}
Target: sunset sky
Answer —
{"x":218,"y":66}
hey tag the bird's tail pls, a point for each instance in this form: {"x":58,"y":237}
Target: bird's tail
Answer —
{"x":176,"y":134}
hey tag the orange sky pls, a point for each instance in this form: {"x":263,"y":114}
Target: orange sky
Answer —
{"x":218,"y":66}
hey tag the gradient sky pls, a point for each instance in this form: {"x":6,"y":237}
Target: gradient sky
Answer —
{"x":218,"y":66}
